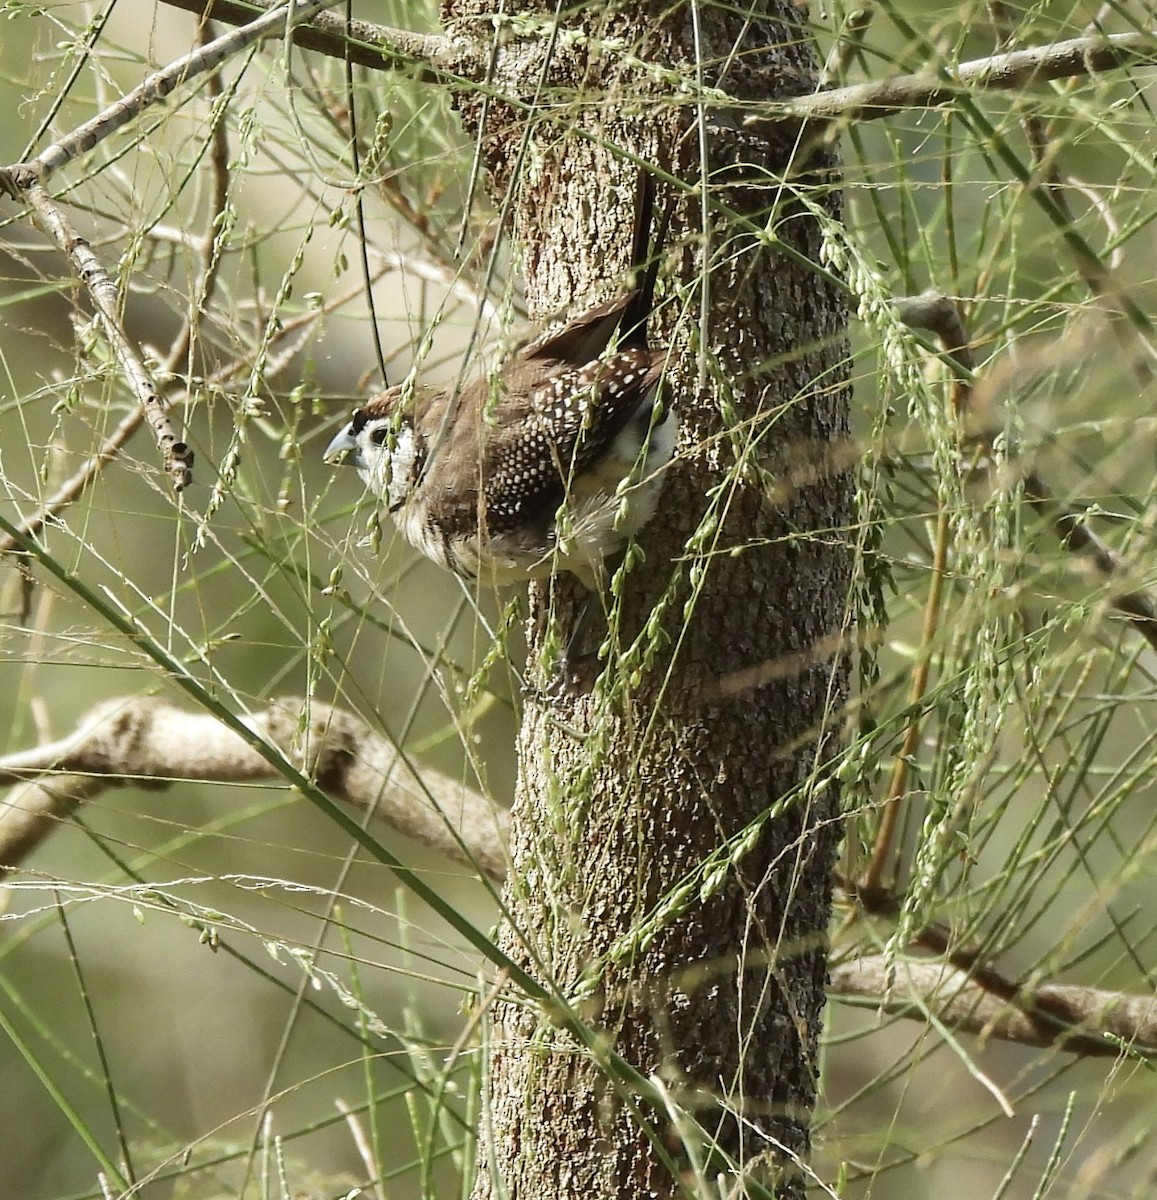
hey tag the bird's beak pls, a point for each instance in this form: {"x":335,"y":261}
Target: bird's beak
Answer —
{"x":342,"y":448}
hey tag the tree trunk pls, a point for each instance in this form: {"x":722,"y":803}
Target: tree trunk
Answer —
{"x":700,"y":960}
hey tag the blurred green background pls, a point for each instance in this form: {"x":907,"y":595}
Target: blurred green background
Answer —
{"x":271,"y":579}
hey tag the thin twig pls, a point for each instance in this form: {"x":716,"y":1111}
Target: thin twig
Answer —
{"x":211,"y":250}
{"x":176,"y":456}
{"x":26,"y":181}
{"x":19,"y":178}
{"x":74,"y":487}
{"x":290,"y":337}
{"x":940,"y":316}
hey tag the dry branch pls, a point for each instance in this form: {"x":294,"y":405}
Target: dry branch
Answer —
{"x":362,"y":43}
{"x":1011,"y":71}
{"x":383,"y":47}
{"x":147,"y":742}
{"x":176,"y":455}
{"x":26,"y":181}
{"x":1086,"y":1021}
{"x":18,"y":178}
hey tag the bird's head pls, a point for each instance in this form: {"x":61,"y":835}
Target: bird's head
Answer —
{"x":381,"y":442}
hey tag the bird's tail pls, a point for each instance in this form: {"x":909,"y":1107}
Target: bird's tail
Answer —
{"x":646,"y":256}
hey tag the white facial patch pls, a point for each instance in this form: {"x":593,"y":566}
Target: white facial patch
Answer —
{"x":387,"y":469}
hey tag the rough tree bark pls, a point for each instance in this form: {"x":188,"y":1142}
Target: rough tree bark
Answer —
{"x":624,"y":794}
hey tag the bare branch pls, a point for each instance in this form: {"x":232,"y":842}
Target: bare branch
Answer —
{"x":176,"y":456}
{"x":1086,"y":1021}
{"x":1010,"y":71}
{"x":360,"y":42}
{"x":73,"y":487}
{"x":25,"y":181}
{"x":147,"y":742}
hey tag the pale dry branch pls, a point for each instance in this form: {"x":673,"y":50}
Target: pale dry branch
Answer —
{"x":1010,"y":71}
{"x":1080,"y":1020}
{"x":75,"y":486}
{"x":176,"y":455}
{"x":288,"y":341}
{"x":362,"y":43}
{"x":149,"y":743}
{"x":26,"y":182}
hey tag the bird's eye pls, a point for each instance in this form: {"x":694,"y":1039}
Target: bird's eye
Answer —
{"x":378,"y":436}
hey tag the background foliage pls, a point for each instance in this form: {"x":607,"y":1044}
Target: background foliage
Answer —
{"x":265,"y":975}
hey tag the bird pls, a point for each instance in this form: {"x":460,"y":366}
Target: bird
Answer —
{"x":548,"y":465}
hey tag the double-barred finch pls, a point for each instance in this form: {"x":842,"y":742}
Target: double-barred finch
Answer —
{"x":549,"y":465}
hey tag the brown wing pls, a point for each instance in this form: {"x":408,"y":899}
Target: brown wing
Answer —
{"x":581,"y":340}
{"x":574,"y":416}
